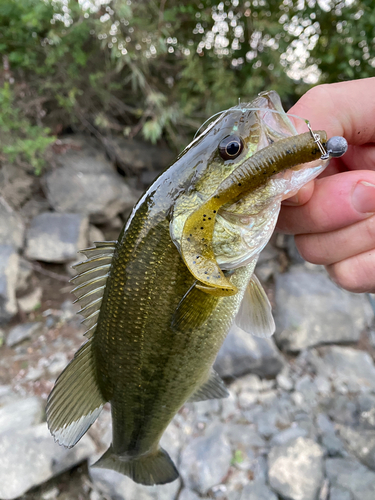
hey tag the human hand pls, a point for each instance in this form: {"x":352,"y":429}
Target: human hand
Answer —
{"x":333,"y":217}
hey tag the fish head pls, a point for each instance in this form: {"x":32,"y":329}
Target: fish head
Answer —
{"x":243,"y":225}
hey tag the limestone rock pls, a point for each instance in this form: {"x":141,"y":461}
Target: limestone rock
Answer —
{"x":296,"y":469}
{"x":12,"y":228}
{"x":87,"y":183}
{"x":54,"y":237}
{"x":30,"y":457}
{"x":21,"y":414}
{"x":9,"y":263}
{"x":22,"y":332}
{"x":242,"y":353}
{"x":205,"y":460}
{"x":350,"y":475}
{"x":311,"y":310}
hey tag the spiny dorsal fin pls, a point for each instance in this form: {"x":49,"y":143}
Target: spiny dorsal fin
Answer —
{"x":255,"y":313}
{"x":213,"y":388}
{"x":75,"y":401}
{"x":91,"y":280}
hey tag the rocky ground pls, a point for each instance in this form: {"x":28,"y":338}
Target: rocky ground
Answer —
{"x":300,"y":420}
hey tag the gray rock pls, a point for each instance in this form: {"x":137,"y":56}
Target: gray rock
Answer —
{"x":30,"y":457}
{"x":12,"y":228}
{"x":22,"y":332}
{"x":21,"y":414}
{"x":54,"y":237}
{"x":296,"y":469}
{"x":337,"y":493}
{"x":139,"y":155}
{"x":9,"y":264}
{"x":311,"y":310}
{"x":347,"y":368}
{"x":330,"y":441}
{"x":288,"y":435}
{"x":24,"y":274}
{"x":257,"y":490}
{"x":31,"y":301}
{"x":205,"y":460}
{"x":187,"y":494}
{"x":350,"y":475}
{"x":119,"y":487}
{"x":242,"y":353}
{"x":87,"y":183}
{"x":361,"y":443}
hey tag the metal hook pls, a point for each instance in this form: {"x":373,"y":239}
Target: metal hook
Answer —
{"x":325,"y":155}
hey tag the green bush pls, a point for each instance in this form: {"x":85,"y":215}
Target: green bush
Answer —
{"x":159,"y":68}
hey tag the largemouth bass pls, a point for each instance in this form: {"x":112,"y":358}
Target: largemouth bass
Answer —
{"x":153,"y":329}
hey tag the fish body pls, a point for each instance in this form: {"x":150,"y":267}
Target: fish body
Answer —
{"x":153,"y":333}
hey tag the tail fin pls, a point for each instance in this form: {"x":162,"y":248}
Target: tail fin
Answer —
{"x":154,"y":468}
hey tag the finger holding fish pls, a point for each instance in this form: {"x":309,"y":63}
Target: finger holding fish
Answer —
{"x":333,"y":216}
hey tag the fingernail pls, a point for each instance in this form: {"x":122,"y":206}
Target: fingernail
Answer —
{"x":292,"y":201}
{"x":363,"y":197}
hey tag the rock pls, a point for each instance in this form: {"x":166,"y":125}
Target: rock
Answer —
{"x":361,"y":443}
{"x":12,"y":228}
{"x":296,"y":469}
{"x":187,"y":494}
{"x":22,"y":332}
{"x":86,"y":183}
{"x":95,"y":234}
{"x":119,"y":487}
{"x":242,"y":353}
{"x":136,"y":155}
{"x":32,"y":301}
{"x":257,"y":490}
{"x":205,"y":460}
{"x":23,"y":276}
{"x":337,"y":493}
{"x":330,"y":441}
{"x":287,"y":435}
{"x":9,"y":264}
{"x":54,"y":237}
{"x":56,"y":363}
{"x":311,"y":310}
{"x":30,"y":457}
{"x":350,"y":475}
{"x":347,"y":368}
{"x":21,"y":414}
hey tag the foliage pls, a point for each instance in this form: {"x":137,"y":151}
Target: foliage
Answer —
{"x":160,"y":67}
{"x":20,"y":140}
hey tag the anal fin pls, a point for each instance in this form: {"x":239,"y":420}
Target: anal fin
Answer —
{"x":213,"y":388}
{"x":152,"y":468}
{"x":75,"y":401}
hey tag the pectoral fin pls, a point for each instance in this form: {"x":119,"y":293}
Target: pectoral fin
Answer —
{"x":213,"y":388}
{"x":255,"y":313}
{"x":193,"y":310}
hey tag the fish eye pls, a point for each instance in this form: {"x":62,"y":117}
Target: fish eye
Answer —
{"x":230,"y":147}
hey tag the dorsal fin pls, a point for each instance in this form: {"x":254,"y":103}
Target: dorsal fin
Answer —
{"x":91,"y":280}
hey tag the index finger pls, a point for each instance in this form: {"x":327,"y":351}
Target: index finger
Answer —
{"x":345,"y":108}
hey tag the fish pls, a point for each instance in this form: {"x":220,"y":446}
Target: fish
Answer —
{"x":155,"y":324}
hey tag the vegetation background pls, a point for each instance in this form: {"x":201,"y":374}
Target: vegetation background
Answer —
{"x":159,"y":68}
